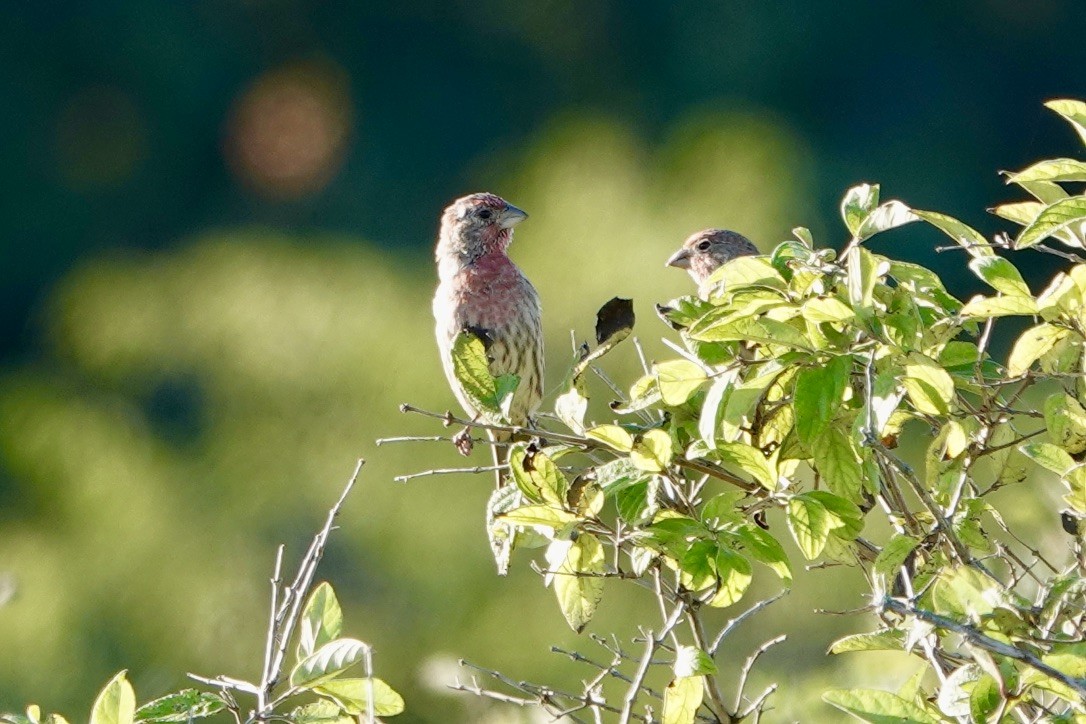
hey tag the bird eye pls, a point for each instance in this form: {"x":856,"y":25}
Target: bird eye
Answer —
{"x":704,"y":246}
{"x":485,"y":214}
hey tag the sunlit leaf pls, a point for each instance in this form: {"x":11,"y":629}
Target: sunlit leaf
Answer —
{"x":888,"y":216}
{"x":692,"y":661}
{"x":1069,"y":214}
{"x":540,"y":516}
{"x":966,"y":236}
{"x":894,"y":554}
{"x":1000,"y":274}
{"x":735,"y":576}
{"x":537,"y":476}
{"x":612,"y":436}
{"x":682,"y":697}
{"x":859,"y":201}
{"x":321,"y":712}
{"x":818,"y":394}
{"x":826,"y":309}
{"x":1072,"y":110}
{"x":1033,"y":344}
{"x":1049,"y":456}
{"x":578,"y":595}
{"x":678,"y":380}
{"x":571,"y":406}
{"x":747,"y":459}
{"x":183,"y":706}
{"x":836,"y":459}
{"x":327,"y":662}
{"x":652,"y":452}
{"x":355,"y":695}
{"x":116,"y":703}
{"x":810,"y":525}
{"x":1005,"y":306}
{"x":1055,"y":169}
{"x":878,"y":707}
{"x":929,"y":387}
{"x":886,"y":640}
{"x":321,"y":621}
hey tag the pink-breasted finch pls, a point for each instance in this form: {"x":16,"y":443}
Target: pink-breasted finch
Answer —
{"x":482,"y":291}
{"x":705,"y":251}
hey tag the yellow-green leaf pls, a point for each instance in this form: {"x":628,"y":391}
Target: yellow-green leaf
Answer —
{"x":1053,"y":169}
{"x":327,"y":662}
{"x":1005,"y":306}
{"x":1073,"y":111}
{"x":741,"y":457}
{"x":1033,"y":344}
{"x":321,"y":622}
{"x":116,"y":703}
{"x":613,"y":436}
{"x":678,"y":380}
{"x":1000,"y":274}
{"x":652,"y":452}
{"x":930,"y":387}
{"x":968,"y":237}
{"x":578,"y":595}
{"x":810,"y":525}
{"x":682,"y":697}
{"x":355,"y":695}
{"x":1068,"y":214}
{"x":539,"y":516}
{"x":826,"y":309}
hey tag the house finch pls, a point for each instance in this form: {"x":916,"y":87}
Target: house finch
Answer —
{"x":481,"y":290}
{"x":702,"y":253}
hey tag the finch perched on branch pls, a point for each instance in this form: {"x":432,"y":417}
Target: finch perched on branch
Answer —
{"x":705,"y":251}
{"x":482,"y":291}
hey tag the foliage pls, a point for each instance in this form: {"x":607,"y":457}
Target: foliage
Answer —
{"x":315,"y":689}
{"x":799,"y":376}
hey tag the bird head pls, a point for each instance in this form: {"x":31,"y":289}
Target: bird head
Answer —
{"x":704,"y":252}
{"x":475,"y":225}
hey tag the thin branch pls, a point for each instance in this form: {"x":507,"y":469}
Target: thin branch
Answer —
{"x":732,"y":624}
{"x":976,"y":638}
{"x":749,"y":664}
{"x":449,"y":471}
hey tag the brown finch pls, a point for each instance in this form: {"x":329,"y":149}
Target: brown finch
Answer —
{"x":704,"y":252}
{"x":482,"y":291}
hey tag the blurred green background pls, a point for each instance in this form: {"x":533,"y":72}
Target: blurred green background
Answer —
{"x":215,"y":278}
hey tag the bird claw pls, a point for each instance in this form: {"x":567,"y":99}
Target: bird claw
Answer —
{"x":463,"y":443}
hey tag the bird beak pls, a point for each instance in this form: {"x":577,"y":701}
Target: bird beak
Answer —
{"x":680,"y":259}
{"x":511,"y":216}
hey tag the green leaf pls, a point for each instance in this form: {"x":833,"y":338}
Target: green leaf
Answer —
{"x":1049,"y":456}
{"x":836,"y":459}
{"x":888,"y":216}
{"x":746,"y":329}
{"x":1000,"y":274}
{"x":1072,"y":110}
{"x":733,"y":571}
{"x":1069,"y":214}
{"x":1022,"y":212}
{"x":1066,"y":420}
{"x":327,"y":662}
{"x":721,"y":509}
{"x":652,"y":452}
{"x":682,"y":697}
{"x":692,"y":661}
{"x":879,"y":707}
{"x":826,"y":309}
{"x":678,"y":380}
{"x":863,"y":272}
{"x":930,"y":388}
{"x":183,"y":706}
{"x":964,"y":591}
{"x":539,"y":516}
{"x":987,"y":307}
{"x":818,"y":394}
{"x":749,"y":460}
{"x":537,"y":476}
{"x":845,"y":518}
{"x":746,"y":271}
{"x":966,"y":236}
{"x":618,"y":474}
{"x":321,"y":712}
{"x":711,"y":408}
{"x":578,"y":595}
{"x":321,"y":622}
{"x":886,"y":640}
{"x":613,"y":436}
{"x":954,"y":692}
{"x":810,"y":525}
{"x":1055,"y":169}
{"x":116,"y":703}
{"x":765,"y":549}
{"x":984,"y":699}
{"x":1033,"y":344}
{"x":472,"y":370}
{"x":859,"y":201}
{"x":894,"y":553}
{"x":354,"y":695}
